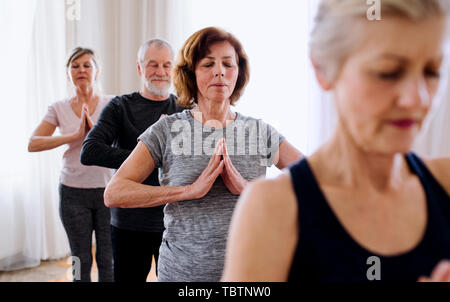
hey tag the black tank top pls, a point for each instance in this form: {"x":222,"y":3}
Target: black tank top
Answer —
{"x":326,"y":252}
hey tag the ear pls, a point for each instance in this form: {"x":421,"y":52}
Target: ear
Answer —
{"x":321,"y":76}
{"x":139,"y":70}
{"x":68,"y":76}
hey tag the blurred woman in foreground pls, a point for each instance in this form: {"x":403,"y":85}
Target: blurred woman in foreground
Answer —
{"x":363,"y":193}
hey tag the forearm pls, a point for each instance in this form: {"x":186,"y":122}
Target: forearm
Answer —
{"x":286,"y":155}
{"x":42,"y":143}
{"x":129,"y":194}
{"x":100,"y":154}
{"x":97,"y":148}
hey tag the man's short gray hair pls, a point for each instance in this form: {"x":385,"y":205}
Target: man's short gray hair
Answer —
{"x":157,"y":43}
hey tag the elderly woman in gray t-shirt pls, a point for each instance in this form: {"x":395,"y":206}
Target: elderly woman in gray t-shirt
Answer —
{"x":206,"y":155}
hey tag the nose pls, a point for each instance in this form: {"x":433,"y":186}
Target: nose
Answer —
{"x":415,"y":94}
{"x":160,"y":71}
{"x":219,"y":70}
{"x":82,"y":68}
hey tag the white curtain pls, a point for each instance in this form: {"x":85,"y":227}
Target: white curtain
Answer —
{"x":115,"y":29}
{"x":434,"y":140}
{"x":29,"y":222}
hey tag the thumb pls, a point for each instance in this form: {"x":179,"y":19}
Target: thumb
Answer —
{"x":220,"y":167}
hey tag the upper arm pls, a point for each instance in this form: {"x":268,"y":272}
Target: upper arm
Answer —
{"x":106,"y":128}
{"x":44,"y":129}
{"x":286,"y":155}
{"x":138,"y":166}
{"x":440,"y":168}
{"x":263,"y":233}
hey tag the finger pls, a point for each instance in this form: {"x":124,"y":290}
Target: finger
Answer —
{"x":423,"y":279}
{"x":224,"y":149}
{"x":213,"y":163}
{"x":226,"y":157}
{"x":228,"y":164}
{"x":219,"y":169}
{"x":83,"y":119}
{"x":215,"y":173}
{"x":442,"y":271}
{"x":226,"y":160}
{"x":224,"y":172}
{"x":230,"y":167}
{"x":215,"y":158}
{"x":217,"y":149}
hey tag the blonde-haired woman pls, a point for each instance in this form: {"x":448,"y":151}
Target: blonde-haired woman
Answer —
{"x":363,"y":206}
{"x":81,"y":188}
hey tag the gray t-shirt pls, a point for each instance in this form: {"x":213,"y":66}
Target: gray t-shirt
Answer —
{"x":194,"y":240}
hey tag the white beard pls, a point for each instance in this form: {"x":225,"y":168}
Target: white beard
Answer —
{"x":156,"y":91}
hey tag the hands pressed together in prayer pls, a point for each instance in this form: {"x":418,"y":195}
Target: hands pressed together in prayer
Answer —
{"x":219,"y":164}
{"x":86,"y":123}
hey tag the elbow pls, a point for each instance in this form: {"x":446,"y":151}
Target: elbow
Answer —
{"x":108,"y":197}
{"x":31,"y":146}
{"x":112,"y":196}
{"x":85,"y":157}
{"x":84,"y":160}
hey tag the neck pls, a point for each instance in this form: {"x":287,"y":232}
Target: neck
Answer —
{"x":154,"y":97}
{"x":215,"y":112}
{"x":345,"y":163}
{"x":85,"y":94}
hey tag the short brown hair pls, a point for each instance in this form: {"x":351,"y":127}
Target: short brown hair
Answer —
{"x":78,"y":52}
{"x":196,"y":48}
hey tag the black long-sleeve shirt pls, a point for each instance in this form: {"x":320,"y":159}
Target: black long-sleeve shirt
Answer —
{"x":113,"y":139}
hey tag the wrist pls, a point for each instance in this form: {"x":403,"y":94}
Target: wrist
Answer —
{"x":189,"y":192}
{"x":75,"y":136}
{"x":244,"y":184}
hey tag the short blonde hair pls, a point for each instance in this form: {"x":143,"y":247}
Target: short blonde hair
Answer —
{"x":196,"y":48}
{"x":333,"y":37}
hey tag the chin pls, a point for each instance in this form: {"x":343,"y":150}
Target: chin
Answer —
{"x":83,"y":84}
{"x":220,"y":97}
{"x":161,"y":87}
{"x":399,"y":141}
{"x":393,"y":147}
{"x":388,"y":144}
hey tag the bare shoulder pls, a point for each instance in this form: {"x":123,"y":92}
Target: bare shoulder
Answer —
{"x":263,"y":230}
{"x":440,"y":168}
{"x":272,"y":196}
